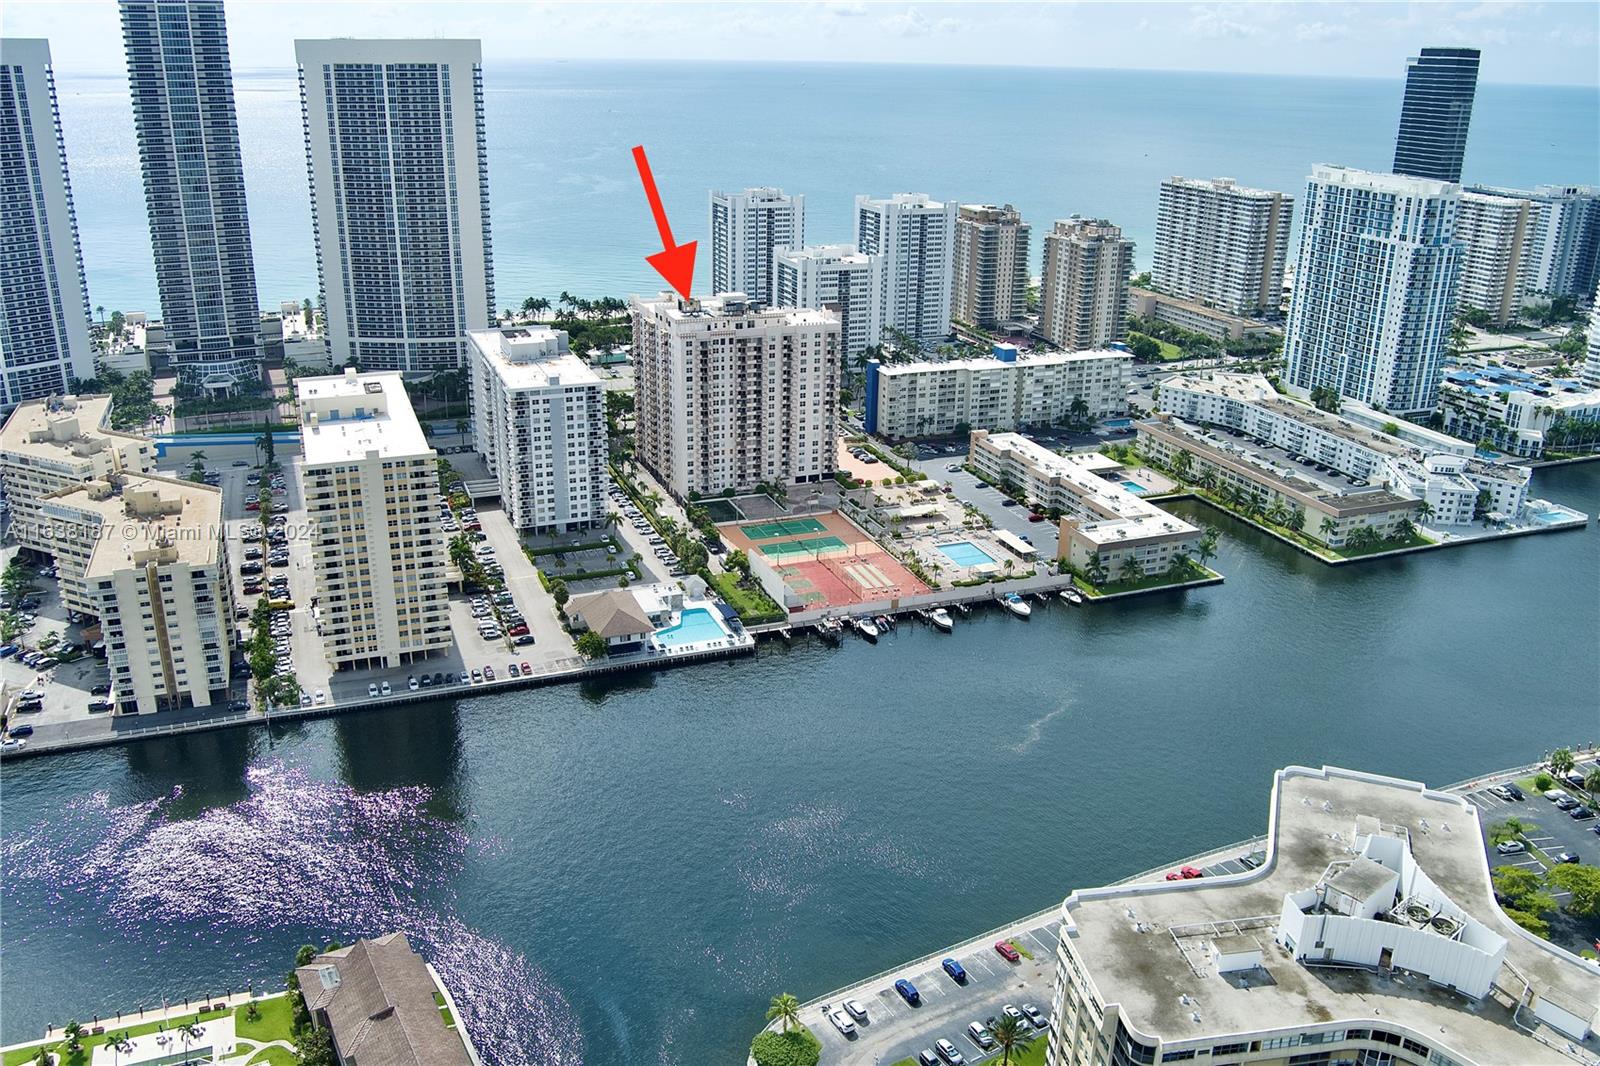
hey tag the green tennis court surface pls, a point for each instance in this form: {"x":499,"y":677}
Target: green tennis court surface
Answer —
{"x":810,"y":546}
{"x":782,"y":527}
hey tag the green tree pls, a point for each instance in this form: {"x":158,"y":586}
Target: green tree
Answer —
{"x":314,"y":1047}
{"x":120,"y":1045}
{"x":795,"y":1048}
{"x":1591,"y":782}
{"x":1562,"y":762}
{"x":73,"y":1032}
{"x":1130,"y":570}
{"x":1206,"y":548}
{"x":591,"y":645}
{"x":560,"y":593}
{"x":1329,"y":528}
{"x":1582,"y":881}
{"x":785,"y":1010}
{"x":1296,"y":519}
{"x":1183,"y":464}
{"x":1510,"y":829}
{"x":1010,"y":1035}
{"x":1145,"y":349}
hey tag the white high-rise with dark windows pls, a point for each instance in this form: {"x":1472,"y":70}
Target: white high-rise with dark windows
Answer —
{"x":838,"y":277}
{"x":399,"y":198}
{"x":917,"y":238}
{"x":44,"y":307}
{"x":746,"y":229}
{"x":1222,"y":244}
{"x":182,"y":87}
{"x":1375,"y":287}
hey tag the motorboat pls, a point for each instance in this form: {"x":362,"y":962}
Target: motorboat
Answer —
{"x":1072,"y":595}
{"x":1016,"y":605}
{"x":941,"y":619}
{"x":867,"y":628}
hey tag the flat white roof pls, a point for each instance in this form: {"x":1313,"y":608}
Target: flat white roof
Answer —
{"x":531,"y":357}
{"x":1024,"y":359}
{"x":345,"y":417}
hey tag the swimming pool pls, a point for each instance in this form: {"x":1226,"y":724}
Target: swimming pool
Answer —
{"x":966,"y":553}
{"x":1133,"y":486}
{"x":695,"y":626}
{"x":1549,"y":518}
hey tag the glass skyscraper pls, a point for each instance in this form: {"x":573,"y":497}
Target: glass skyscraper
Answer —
{"x":1440,"y":85}
{"x":44,"y":307}
{"x":182,"y":86}
{"x":399,"y":198}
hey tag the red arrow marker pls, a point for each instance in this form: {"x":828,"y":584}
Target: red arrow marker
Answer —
{"x":675,"y":262}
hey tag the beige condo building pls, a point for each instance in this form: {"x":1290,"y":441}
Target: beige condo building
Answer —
{"x":991,"y":272}
{"x":1083,"y":302}
{"x":371,"y":487}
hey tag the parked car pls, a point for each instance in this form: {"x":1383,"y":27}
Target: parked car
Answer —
{"x":1189,"y":873}
{"x":857,"y":1011}
{"x":1011,"y":1012}
{"x":926,"y":1057}
{"x":1564,"y":856}
{"x":1007,"y":952}
{"x":1566,"y":803}
{"x":411,"y":682}
{"x":841,"y":1021}
{"x":908,"y":992}
{"x":1581,"y":813}
{"x":956,"y":971}
{"x":1511,"y":847}
{"x":488,"y":673}
{"x":385,"y":688}
{"x":372,"y":689}
{"x":22,"y":730}
{"x":1036,"y":1016}
{"x":949,"y":1053}
{"x":980,"y":1036}
{"x":1515,"y":792}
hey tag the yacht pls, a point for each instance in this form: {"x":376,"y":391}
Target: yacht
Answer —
{"x":941,"y":619}
{"x":1016,"y":605}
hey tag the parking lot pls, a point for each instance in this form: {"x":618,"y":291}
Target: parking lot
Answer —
{"x":969,"y":489}
{"x":896,"y":1030}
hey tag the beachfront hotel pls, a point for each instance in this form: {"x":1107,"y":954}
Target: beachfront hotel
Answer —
{"x":182,"y":86}
{"x":991,"y":265}
{"x":916,"y":237}
{"x":729,"y":395}
{"x":840,"y":279}
{"x":1222,"y":245}
{"x":1370,"y":935}
{"x":747,"y":228}
{"x":399,"y":172}
{"x":1104,"y":524}
{"x":145,"y":555}
{"x":1010,"y":390}
{"x":1375,"y":287}
{"x":371,"y":487}
{"x":1450,"y":482}
{"x":1083,"y":301}
{"x":59,"y":443}
{"x":44,"y":306}
{"x":539,"y":413}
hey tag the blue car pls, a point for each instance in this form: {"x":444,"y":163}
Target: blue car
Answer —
{"x":908,"y":992}
{"x":955,"y":970}
{"x":22,"y":731}
{"x":7,"y":650}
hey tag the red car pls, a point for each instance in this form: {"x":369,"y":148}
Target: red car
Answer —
{"x":526,"y":669}
{"x":1189,"y":872}
{"x":252,"y":506}
{"x":488,"y":673}
{"x":517,"y":630}
{"x":1006,"y":951}
{"x":1173,"y":875}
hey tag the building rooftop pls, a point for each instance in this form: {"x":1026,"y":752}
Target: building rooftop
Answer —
{"x":350,"y":416}
{"x":1136,"y":941}
{"x":1228,"y":184}
{"x":138,"y":514}
{"x":981,"y":363}
{"x":824,"y":253}
{"x":728,"y":308}
{"x":1381,"y":181}
{"x":531,"y":357}
{"x":612,"y":613}
{"x":62,"y":429}
{"x":377,"y":996}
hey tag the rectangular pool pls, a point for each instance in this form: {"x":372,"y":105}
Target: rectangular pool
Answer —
{"x":1133,"y":486}
{"x":695,"y":626}
{"x":966,"y":553}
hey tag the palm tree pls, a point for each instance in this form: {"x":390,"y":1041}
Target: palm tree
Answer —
{"x":785,"y":1010}
{"x":1296,"y":519}
{"x":1591,"y":782}
{"x":190,"y":1033}
{"x":1561,"y":761}
{"x":1206,"y":549}
{"x":120,"y":1045}
{"x":462,"y":425}
{"x":1208,"y":478}
{"x":1329,"y":527}
{"x":72,"y":1031}
{"x":1130,"y":570}
{"x":1010,"y":1034}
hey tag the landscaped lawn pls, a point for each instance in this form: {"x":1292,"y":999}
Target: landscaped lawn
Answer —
{"x":1169,"y":351}
{"x":273,"y":1056}
{"x":1149,"y":581}
{"x":753,"y":607}
{"x":277,"y":1016}
{"x":83,"y":1056}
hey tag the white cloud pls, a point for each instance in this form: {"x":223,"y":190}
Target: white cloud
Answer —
{"x":1217,"y":22}
{"x":1320,"y":31}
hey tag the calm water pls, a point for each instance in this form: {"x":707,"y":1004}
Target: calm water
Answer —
{"x":568,"y":213}
{"x":625,"y":873}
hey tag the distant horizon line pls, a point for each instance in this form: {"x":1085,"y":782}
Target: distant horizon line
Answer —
{"x":1398,"y":78}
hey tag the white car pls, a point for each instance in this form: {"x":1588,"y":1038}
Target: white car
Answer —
{"x":411,"y":683}
{"x":841,"y":1021}
{"x":321,"y":696}
{"x":385,"y":688}
{"x":372,"y":689}
{"x":1511,"y":847}
{"x":1555,"y":794}
{"x":857,"y":1011}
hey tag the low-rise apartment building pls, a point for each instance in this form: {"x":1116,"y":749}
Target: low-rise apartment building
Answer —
{"x":371,"y":487}
{"x":1003,"y":393}
{"x":730,"y":395}
{"x":58,"y":443}
{"x":1249,"y":404}
{"x":1370,"y":935}
{"x":145,"y":555}
{"x":539,"y":413}
{"x":1103,"y":524}
{"x":1325,"y":515}
{"x":1514,"y":410}
{"x":1195,"y":317}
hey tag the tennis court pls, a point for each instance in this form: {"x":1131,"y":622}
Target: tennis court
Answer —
{"x":782,"y":527}
{"x":806,"y":546}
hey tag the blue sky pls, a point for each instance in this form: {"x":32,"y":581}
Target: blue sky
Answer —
{"x":1534,"y":43}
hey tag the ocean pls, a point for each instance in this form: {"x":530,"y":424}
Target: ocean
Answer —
{"x":568,"y":213}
